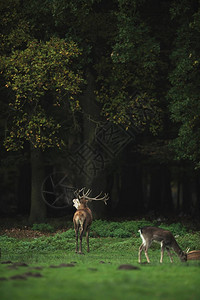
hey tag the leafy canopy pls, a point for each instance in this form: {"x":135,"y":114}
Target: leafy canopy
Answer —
{"x":184,"y":78}
{"x":127,"y":77}
{"x":43,"y":80}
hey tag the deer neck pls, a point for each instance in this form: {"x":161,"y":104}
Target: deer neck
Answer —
{"x":82,"y":206}
{"x":177,"y":248}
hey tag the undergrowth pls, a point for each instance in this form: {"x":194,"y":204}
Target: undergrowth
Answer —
{"x":103,"y":228}
{"x":125,"y":234}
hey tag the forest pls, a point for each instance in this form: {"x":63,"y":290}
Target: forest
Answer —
{"x":103,"y":95}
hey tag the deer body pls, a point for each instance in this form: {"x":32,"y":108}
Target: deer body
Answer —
{"x":164,"y":237}
{"x":82,"y":220}
{"x":83,"y":216}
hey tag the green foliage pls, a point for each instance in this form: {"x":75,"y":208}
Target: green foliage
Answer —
{"x":125,"y":234}
{"x":57,"y":242}
{"x":63,"y":241}
{"x":175,"y":228}
{"x":190,"y":240}
{"x":127,"y":77}
{"x":130,"y":228}
{"x":15,"y":29}
{"x":184,"y":78}
{"x":43,"y":227}
{"x":44,"y":80}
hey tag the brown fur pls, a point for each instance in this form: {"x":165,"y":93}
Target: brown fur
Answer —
{"x":82,"y":221}
{"x":164,"y":237}
{"x":193,"y":255}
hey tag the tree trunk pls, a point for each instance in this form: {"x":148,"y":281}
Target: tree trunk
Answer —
{"x":131,"y":193}
{"x":166,"y":193}
{"x":186,"y":199}
{"x":24,"y":189}
{"x":197,"y":204}
{"x":155,"y":190}
{"x":96,"y":182}
{"x":160,"y":190}
{"x":38,"y":207}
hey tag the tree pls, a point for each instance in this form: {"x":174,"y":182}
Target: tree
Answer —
{"x":125,"y":55}
{"x":184,"y":77}
{"x":45,"y":84}
{"x":127,"y":75}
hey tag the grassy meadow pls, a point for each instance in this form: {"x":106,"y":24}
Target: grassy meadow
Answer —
{"x":47,"y":266}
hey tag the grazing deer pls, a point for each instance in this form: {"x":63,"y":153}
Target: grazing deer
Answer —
{"x":162,"y":236}
{"x":83,"y":216}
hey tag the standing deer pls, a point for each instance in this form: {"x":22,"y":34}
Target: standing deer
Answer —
{"x":162,"y":236}
{"x":83,"y":216}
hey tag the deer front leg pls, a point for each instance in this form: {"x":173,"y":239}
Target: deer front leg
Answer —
{"x":170,"y":255}
{"x":162,"y":252}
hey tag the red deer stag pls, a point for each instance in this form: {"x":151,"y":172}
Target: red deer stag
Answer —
{"x":162,"y":236}
{"x":83,"y":216}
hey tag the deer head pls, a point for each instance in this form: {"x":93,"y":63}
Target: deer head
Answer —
{"x":76,"y":203}
{"x":82,"y":196}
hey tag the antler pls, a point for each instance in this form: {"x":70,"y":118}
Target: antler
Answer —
{"x":77,"y":192}
{"x":86,"y":194}
{"x":97,"y":198}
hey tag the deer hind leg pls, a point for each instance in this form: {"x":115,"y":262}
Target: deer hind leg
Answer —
{"x":140,"y":252}
{"x":81,"y":238}
{"x":80,"y":242}
{"x":83,"y":227}
{"x":146,"y":252}
{"x":145,"y":248}
{"x":76,"y":233}
{"x":87,"y":238}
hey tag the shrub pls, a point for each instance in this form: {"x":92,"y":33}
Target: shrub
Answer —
{"x":117,"y":229}
{"x":67,"y":234}
{"x":43,"y":227}
{"x":175,"y":228}
{"x":191,"y":241}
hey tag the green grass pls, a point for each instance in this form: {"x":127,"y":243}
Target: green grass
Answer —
{"x":95,"y":275}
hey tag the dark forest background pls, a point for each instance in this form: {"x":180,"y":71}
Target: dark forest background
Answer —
{"x":104,"y":94}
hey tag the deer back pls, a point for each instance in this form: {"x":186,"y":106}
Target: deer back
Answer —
{"x":157,"y":234}
{"x":83,"y":213}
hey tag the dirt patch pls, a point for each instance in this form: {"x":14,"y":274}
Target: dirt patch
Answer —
{"x":27,"y":233}
{"x":31,"y":274}
{"x":22,"y":233}
{"x":62,"y":265}
{"x":6,"y":262}
{"x":128,"y":267}
{"x":16,"y":277}
{"x":37,"y":268}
